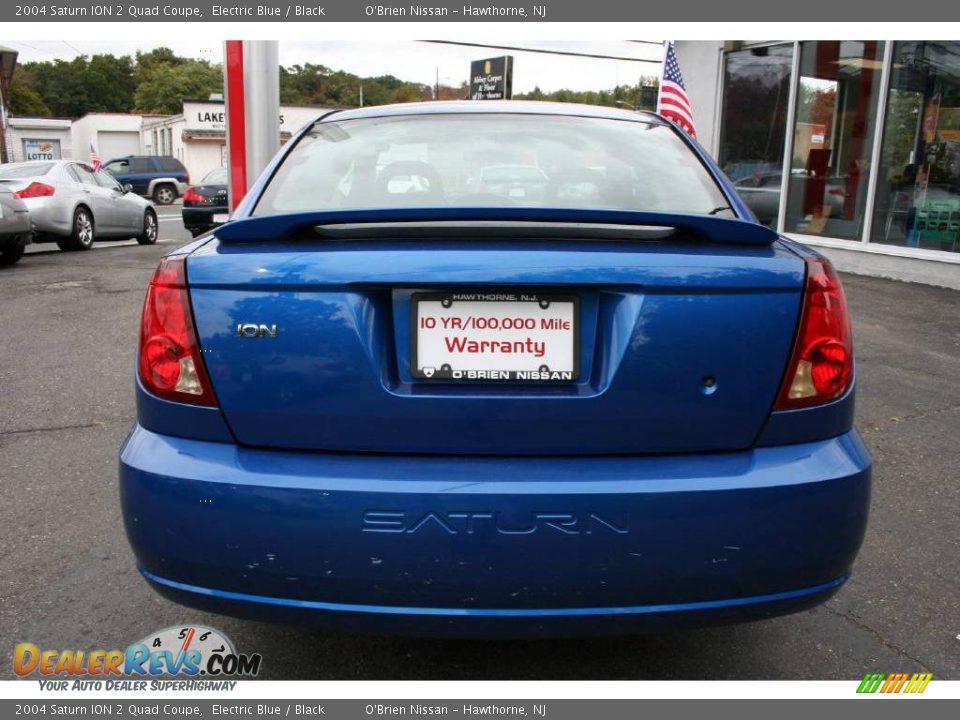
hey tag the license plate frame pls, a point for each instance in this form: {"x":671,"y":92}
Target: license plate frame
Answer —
{"x":565,"y":304}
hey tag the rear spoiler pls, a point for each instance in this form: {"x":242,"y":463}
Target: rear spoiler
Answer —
{"x":429,"y":222}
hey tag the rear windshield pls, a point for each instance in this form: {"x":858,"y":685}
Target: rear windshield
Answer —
{"x":170,"y":164}
{"x":497,"y":159}
{"x":215,"y":177}
{"x":14,"y":171}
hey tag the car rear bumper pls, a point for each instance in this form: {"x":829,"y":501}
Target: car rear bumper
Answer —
{"x":495,"y":546}
{"x":49,"y":217}
{"x":15,"y":228}
{"x":201,"y":217}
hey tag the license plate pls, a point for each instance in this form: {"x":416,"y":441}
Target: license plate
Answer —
{"x":513,"y":337}
{"x":220,"y":217}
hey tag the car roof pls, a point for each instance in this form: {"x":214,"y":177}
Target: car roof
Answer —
{"x":468,"y":107}
{"x":55,"y":161}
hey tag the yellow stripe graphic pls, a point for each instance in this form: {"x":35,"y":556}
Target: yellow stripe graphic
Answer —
{"x":918,"y":683}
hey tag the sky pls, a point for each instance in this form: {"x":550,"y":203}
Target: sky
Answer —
{"x":411,"y":60}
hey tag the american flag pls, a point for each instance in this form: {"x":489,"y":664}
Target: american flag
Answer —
{"x":672,"y":101}
{"x":95,"y":161}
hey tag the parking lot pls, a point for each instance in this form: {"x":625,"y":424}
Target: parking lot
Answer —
{"x":67,"y":577}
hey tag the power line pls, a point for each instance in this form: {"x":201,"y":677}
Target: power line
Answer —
{"x":547,"y":52}
{"x":33,"y":47}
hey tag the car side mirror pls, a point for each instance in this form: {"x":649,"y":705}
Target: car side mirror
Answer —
{"x":127,"y":187}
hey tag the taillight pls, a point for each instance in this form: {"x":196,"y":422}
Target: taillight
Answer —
{"x":170,"y":363}
{"x":821,"y":366}
{"x":192,"y":195}
{"x":35,"y":190}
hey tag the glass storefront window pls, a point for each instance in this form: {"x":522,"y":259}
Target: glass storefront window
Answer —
{"x":833,"y":133}
{"x":918,"y":187}
{"x":754,"y":121}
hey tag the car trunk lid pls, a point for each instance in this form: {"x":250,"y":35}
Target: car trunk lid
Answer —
{"x":681,"y":342}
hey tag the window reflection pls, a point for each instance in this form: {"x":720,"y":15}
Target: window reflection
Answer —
{"x":918,"y":192}
{"x":755,"y":98}
{"x":833,"y":137}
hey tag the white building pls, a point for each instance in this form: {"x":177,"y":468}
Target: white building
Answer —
{"x":30,"y":138}
{"x":197,"y":136}
{"x":112,"y":135}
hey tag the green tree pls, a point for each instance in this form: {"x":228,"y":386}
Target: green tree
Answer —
{"x":162,"y":87}
{"x":110,"y":83}
{"x":26,"y":102}
{"x":62,"y":85}
{"x":628,"y":96}
{"x":71,"y":88}
{"x":319,"y":85}
{"x":25,"y":99}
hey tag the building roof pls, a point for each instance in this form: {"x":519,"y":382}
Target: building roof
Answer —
{"x":40,"y":122}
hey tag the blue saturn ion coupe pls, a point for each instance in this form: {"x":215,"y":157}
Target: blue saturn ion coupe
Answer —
{"x":499,"y":369}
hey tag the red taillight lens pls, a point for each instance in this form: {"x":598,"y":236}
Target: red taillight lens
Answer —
{"x":192,"y":195}
{"x":170,"y":363}
{"x":821,"y":367}
{"x":35,"y":190}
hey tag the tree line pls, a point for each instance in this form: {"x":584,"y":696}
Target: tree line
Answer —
{"x":157,"y":81}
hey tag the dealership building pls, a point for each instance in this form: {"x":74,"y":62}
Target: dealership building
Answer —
{"x":849,"y":146}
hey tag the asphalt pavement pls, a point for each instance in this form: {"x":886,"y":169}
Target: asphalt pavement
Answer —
{"x":67,"y":577}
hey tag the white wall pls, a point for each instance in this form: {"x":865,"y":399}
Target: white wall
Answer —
{"x":202,"y":157}
{"x":117,"y":143}
{"x":871,"y":260}
{"x":294,"y":117}
{"x":85,"y":132}
{"x":702,"y":74}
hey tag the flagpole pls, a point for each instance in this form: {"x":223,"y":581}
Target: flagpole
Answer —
{"x":663,"y":71}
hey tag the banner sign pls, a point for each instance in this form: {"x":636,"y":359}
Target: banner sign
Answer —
{"x":441,"y":11}
{"x":41,"y":149}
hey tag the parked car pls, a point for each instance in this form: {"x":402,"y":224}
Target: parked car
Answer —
{"x":625,"y":413}
{"x":161,"y":178}
{"x":15,"y":231}
{"x":520,"y":184}
{"x":72,"y":205}
{"x":205,"y":205}
{"x":761,"y":193}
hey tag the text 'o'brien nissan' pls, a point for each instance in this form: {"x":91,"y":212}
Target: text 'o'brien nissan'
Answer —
{"x":495,"y":369}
